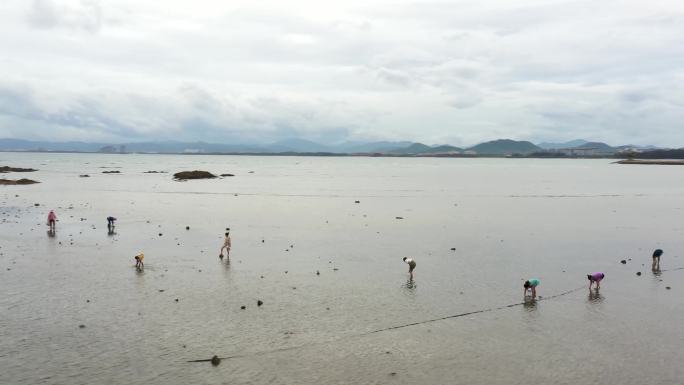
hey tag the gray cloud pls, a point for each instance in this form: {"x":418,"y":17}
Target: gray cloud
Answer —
{"x":458,"y":72}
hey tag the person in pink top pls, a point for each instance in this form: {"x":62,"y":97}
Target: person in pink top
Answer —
{"x":52,"y":219}
{"x":595,"y":278}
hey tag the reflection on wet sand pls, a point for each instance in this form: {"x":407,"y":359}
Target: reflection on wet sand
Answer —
{"x":595,"y":296}
{"x":530,"y":304}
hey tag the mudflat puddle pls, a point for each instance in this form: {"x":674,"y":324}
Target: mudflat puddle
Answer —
{"x":336,"y":302}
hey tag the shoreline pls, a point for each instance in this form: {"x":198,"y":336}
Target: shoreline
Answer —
{"x":662,"y":162}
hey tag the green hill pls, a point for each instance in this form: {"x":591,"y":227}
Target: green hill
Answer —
{"x":505,"y":147}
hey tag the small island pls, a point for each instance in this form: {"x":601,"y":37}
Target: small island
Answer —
{"x":185,"y":175}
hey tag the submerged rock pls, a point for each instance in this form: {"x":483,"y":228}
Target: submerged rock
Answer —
{"x":197,"y":174}
{"x":5,"y":169}
{"x":623,"y":262}
{"x":23,"y":181}
{"x":260,"y":302}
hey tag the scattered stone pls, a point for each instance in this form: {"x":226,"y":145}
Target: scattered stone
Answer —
{"x":262,"y":277}
{"x":294,"y":288}
{"x":88,"y":301}
{"x":453,"y":249}
{"x":623,"y":262}
{"x":327,"y":308}
{"x":81,"y":326}
{"x":285,"y":271}
{"x":318,"y":272}
{"x":668,"y":288}
{"x":185,"y":175}
{"x":393,"y":374}
{"x":161,"y":290}
{"x":215,"y":360}
{"x":111,"y":172}
{"x":176,"y":299}
{"x":638,"y":273}
{"x":399,"y":217}
{"x":260,"y":302}
{"x":187,"y":227}
{"x":335,"y":269}
{"x":227,"y":175}
{"x":357,"y":201}
{"x":84,"y":176}
{"x":160,"y":234}
{"x":243,"y":307}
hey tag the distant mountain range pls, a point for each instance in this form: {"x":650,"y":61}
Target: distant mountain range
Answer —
{"x":500,"y":147}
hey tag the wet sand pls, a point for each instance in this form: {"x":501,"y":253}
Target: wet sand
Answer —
{"x":508,"y":220}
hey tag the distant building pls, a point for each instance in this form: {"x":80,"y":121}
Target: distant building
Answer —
{"x":108,"y":149}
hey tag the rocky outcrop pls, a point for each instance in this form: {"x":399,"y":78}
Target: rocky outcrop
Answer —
{"x":185,"y":175}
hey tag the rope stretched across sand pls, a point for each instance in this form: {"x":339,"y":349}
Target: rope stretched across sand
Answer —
{"x":406,"y":325}
{"x":393,"y":327}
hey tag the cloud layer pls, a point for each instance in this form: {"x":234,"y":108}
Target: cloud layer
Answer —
{"x":454,"y":72}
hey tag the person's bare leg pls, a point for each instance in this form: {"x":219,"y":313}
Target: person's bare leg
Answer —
{"x":534,"y":292}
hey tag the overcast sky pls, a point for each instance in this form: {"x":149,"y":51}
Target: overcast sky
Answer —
{"x":457,"y":72}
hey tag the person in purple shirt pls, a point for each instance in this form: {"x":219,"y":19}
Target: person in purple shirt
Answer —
{"x":595,"y":278}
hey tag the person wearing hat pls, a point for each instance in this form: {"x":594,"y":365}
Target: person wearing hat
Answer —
{"x":226,"y":245}
{"x":595,"y":278}
{"x":656,"y":259}
{"x":412,"y":266}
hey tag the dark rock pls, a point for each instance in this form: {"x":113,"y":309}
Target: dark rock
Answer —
{"x":161,"y":290}
{"x":215,"y":360}
{"x":262,"y":277}
{"x":160,"y":234}
{"x":623,"y":262}
{"x":638,"y":273}
{"x":668,"y":288}
{"x":335,"y":269}
{"x":227,"y":175}
{"x":187,"y":227}
{"x":260,"y":302}
{"x":81,"y":326}
{"x":111,"y":172}
{"x":185,"y":175}
{"x":88,"y":300}
{"x":399,"y":217}
{"x":84,"y":176}
{"x":176,"y":299}
{"x":318,"y":272}
{"x":453,"y":249}
{"x":357,"y":201}
{"x":243,"y":307}
{"x":5,"y":169}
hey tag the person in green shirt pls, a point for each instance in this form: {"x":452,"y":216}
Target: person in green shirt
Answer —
{"x":531,"y":284}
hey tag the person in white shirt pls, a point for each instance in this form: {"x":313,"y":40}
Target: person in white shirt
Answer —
{"x":412,"y":265}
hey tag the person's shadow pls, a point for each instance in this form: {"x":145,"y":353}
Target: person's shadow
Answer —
{"x":110,"y":230}
{"x":51,"y":233}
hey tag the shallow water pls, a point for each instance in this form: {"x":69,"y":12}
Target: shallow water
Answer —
{"x":508,"y":219}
